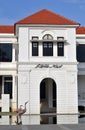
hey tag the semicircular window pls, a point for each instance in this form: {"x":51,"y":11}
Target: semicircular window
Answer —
{"x":47,"y":37}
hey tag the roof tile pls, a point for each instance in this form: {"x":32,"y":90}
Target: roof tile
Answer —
{"x":46,"y":17}
{"x":6,"y":29}
{"x":80,"y":30}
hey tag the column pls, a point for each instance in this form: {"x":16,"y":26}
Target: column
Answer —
{"x":14,"y":93}
{"x":13,"y":84}
{"x":13,"y":53}
{"x":50,"y":93}
{"x":5,"y":108}
{"x":5,"y":103}
{"x":55,"y":49}
{"x":40,"y":49}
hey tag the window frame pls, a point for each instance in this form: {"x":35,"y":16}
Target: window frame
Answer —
{"x":8,"y":90}
{"x":60,"y":49}
{"x":4,"y":80}
{"x":48,"y":51}
{"x":80,"y":53}
{"x":35,"y":38}
{"x":35,"y":51}
{"x":6,"y":52}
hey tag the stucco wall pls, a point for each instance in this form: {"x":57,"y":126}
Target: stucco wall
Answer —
{"x":66,"y":92}
{"x":25,"y":45}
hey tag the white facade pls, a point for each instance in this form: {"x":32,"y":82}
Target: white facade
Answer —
{"x":81,"y":74}
{"x":30,"y":77}
{"x":30,"y":72}
{"x":10,"y":68}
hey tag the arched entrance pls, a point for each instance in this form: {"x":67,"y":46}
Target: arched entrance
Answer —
{"x":47,"y":96}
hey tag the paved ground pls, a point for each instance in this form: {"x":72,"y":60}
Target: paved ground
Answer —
{"x":44,"y":127}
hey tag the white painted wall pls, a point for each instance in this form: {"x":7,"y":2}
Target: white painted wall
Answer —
{"x":67,"y":119}
{"x":5,"y":102}
{"x":25,"y":44}
{"x":23,"y":85}
{"x":10,"y":68}
{"x":66,"y":81}
{"x":29,"y":77}
{"x":71,"y":47}
{"x":8,"y":38}
{"x":80,"y":38}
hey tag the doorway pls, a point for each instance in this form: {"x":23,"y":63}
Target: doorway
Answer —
{"x":48,"y":96}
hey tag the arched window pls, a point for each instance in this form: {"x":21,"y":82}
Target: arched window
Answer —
{"x":47,"y":37}
{"x":47,"y":45}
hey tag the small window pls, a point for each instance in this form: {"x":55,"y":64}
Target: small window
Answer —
{"x":45,"y":45}
{"x":8,"y":86}
{"x":50,"y":45}
{"x":34,"y":48}
{"x":60,"y":38}
{"x":60,"y":48}
{"x":47,"y":37}
{"x":35,"y":38}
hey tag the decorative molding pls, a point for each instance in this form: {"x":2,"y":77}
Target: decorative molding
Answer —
{"x":49,"y":66}
{"x":35,"y":63}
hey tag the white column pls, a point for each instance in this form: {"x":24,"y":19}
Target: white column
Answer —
{"x":55,"y":49}
{"x":5,"y":108}
{"x":40,"y":49}
{"x":50,"y":93}
{"x":5,"y":120}
{"x":14,"y":93}
{"x":13,"y":53}
{"x":13,"y":90}
{"x":5,"y":103}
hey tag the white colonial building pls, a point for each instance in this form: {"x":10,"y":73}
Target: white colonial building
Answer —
{"x":42,"y":60}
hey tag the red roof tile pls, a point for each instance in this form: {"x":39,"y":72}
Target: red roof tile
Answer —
{"x":80,"y":30}
{"x":6,"y":29}
{"x":46,"y":17}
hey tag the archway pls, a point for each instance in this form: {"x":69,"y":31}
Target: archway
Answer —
{"x":48,"y":96}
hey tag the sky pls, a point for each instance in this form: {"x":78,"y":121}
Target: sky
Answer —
{"x":12,"y":11}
